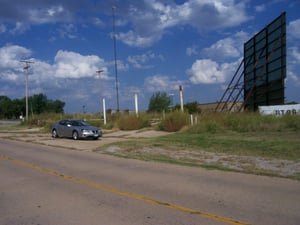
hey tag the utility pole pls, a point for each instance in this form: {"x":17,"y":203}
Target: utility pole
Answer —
{"x":115,"y":53}
{"x":26,"y":68}
{"x":99,"y":72}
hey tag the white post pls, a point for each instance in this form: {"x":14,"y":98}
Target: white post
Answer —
{"x":136,"y":104}
{"x":181,"y":98}
{"x":26,"y":93}
{"x":192,"y":121}
{"x":104,"y":111}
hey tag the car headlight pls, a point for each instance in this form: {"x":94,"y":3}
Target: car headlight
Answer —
{"x":85,"y":131}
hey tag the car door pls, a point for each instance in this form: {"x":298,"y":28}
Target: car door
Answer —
{"x":68,"y":128}
{"x":61,"y":128}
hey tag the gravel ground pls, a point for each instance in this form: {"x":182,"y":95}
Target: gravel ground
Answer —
{"x":285,"y":168}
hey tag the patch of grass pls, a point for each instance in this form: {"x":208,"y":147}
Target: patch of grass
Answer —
{"x":280,"y":147}
{"x":295,"y":177}
{"x":277,"y":146}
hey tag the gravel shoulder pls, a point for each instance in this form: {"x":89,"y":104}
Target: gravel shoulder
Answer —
{"x":277,"y":167}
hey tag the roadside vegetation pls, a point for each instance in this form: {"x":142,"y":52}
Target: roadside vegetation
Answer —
{"x":249,"y":134}
{"x":190,"y":132}
{"x":245,"y":133}
{"x":191,"y":137}
{"x":242,"y":135}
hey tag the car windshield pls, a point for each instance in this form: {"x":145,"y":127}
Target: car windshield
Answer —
{"x":79,"y":123}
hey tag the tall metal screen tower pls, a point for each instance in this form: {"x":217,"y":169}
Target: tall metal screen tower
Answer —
{"x":259,"y":80}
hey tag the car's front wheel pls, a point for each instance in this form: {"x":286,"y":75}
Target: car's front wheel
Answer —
{"x":54,"y":133}
{"x":75,"y":135}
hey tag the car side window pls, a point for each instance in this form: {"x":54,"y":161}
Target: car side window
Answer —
{"x":76,"y":123}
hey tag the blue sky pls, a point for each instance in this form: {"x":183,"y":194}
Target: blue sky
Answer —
{"x":160,"y":45}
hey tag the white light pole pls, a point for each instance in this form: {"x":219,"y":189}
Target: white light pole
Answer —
{"x":99,"y":72}
{"x":26,"y":67}
{"x":136,"y":104}
{"x":181,"y":97}
{"x":104,"y":111}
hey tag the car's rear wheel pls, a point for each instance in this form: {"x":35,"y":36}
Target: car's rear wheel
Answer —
{"x":54,"y":133}
{"x":75,"y":135}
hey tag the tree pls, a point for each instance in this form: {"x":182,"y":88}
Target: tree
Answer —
{"x":5,"y":107}
{"x":38,"y":104}
{"x":55,"y":106}
{"x":19,"y":107}
{"x":41,"y":104}
{"x":159,"y":102}
{"x":191,"y":107}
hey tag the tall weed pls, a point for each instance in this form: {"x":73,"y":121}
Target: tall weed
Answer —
{"x":132,"y":122}
{"x":174,"y":121}
{"x":245,"y":122}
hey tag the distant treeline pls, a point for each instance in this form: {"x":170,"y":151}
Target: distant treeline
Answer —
{"x":37,"y":104}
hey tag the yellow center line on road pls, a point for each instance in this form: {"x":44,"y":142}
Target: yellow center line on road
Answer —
{"x":123,"y":193}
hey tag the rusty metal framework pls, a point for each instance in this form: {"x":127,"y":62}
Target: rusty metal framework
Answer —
{"x":233,"y":93}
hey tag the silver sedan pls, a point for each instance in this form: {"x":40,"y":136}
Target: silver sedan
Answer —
{"x":75,"y":129}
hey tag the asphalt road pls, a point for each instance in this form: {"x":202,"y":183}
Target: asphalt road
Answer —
{"x":41,"y":185}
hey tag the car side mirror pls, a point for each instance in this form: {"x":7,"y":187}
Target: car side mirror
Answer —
{"x":69,"y":125}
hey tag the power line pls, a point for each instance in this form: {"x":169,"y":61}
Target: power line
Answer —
{"x":115,"y":53}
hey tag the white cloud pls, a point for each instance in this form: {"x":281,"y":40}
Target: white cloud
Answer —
{"x":20,"y":28}
{"x":2,"y":28}
{"x":206,"y":71}
{"x":135,"y":40}
{"x":231,"y":47}
{"x":67,"y":31}
{"x":191,"y":51}
{"x":221,"y":14}
{"x":141,"y":61}
{"x":69,"y":71}
{"x":151,"y":19}
{"x":10,"y":56}
{"x":161,"y":83}
{"x":98,"y":22}
{"x":74,"y":65}
{"x":294,"y":78}
{"x":146,"y":21}
{"x":294,"y":28}
{"x":293,"y":66}
{"x":260,"y":8}
{"x":48,"y":14}
{"x":295,"y":54}
{"x":66,"y":64}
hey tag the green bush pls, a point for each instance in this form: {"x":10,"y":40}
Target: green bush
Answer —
{"x":174,"y":121}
